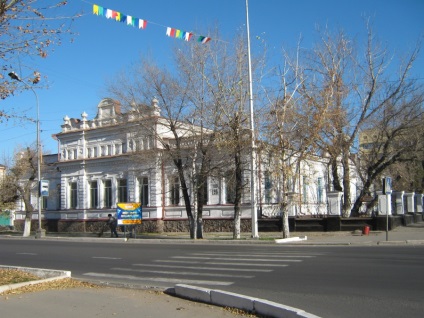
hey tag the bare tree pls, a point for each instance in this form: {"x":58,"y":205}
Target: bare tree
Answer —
{"x":27,"y":29}
{"x":21,"y":178}
{"x":291,"y":129}
{"x":353,"y":88}
{"x":394,"y":140}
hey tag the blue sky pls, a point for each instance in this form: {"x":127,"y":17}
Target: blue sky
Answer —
{"x":77,"y":71}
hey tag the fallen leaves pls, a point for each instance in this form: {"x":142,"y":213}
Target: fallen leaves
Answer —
{"x":13,"y":276}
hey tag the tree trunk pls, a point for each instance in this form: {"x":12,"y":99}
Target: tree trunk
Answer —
{"x":27,"y":226}
{"x":199,"y":226}
{"x":239,"y":189}
{"x":284,"y":206}
{"x":29,"y":208}
{"x":346,"y":184}
{"x":200,"y":203}
{"x":186,"y":197}
{"x":202,"y":179}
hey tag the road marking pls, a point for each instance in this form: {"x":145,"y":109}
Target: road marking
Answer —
{"x":26,"y":253}
{"x":247,"y":264}
{"x":238,"y":259}
{"x":270,"y":253}
{"x":179,"y":273}
{"x":161,"y":279}
{"x":254,"y":255}
{"x":221,"y":263}
{"x":212,"y":268}
{"x":105,"y":257}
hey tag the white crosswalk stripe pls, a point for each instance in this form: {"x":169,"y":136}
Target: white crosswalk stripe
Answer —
{"x":159,"y":279}
{"x":223,"y":263}
{"x":239,"y":259}
{"x":258,"y":270}
{"x":180,"y":273}
{"x":225,"y":266}
{"x":254,"y":255}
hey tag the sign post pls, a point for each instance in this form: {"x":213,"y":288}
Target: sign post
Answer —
{"x":128,"y":214}
{"x":387,"y":190}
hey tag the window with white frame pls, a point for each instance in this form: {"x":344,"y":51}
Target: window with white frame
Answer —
{"x":107,"y":193}
{"x":175,"y":191}
{"x":144,"y":191}
{"x":267,"y":187}
{"x":73,"y":195}
{"x":94,"y":195}
{"x":320,"y":190}
{"x":122,"y":190}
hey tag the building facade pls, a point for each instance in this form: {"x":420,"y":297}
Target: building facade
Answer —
{"x":116,"y":157}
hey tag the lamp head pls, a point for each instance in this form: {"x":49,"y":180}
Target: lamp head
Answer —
{"x":14,"y":76}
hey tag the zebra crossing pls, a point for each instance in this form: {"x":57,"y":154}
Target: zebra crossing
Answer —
{"x":218,"y":268}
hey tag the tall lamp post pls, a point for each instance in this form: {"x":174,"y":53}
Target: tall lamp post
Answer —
{"x":40,"y":232}
{"x":253,"y":203}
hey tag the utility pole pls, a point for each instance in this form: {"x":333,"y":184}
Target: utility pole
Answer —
{"x":253,"y":168}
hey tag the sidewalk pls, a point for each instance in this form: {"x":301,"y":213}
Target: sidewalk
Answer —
{"x":105,"y":302}
{"x":403,"y":235}
{"x":412,"y":234}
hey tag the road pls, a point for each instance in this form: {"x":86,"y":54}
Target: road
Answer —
{"x":364,"y":281}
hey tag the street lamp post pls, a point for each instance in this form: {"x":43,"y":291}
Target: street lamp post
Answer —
{"x":253,"y":203}
{"x":40,"y":232}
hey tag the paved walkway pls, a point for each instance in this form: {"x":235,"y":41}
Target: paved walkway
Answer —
{"x":105,"y":302}
{"x":412,"y":234}
{"x":117,"y":302}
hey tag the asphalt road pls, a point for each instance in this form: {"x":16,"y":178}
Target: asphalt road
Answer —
{"x":360,"y":281}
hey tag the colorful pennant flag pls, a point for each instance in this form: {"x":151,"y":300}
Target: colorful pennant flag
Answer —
{"x":170,"y":32}
{"x":108,"y":13}
{"x":178,"y":34}
{"x":142,"y":24}
{"x":130,"y":20}
{"x":187,"y":36}
{"x":203,"y":39}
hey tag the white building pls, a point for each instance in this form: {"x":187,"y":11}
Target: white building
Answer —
{"x":116,"y":157}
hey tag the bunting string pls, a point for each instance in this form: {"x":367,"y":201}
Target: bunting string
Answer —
{"x":142,"y":24}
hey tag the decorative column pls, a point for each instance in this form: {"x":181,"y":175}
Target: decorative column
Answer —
{"x":334,"y":199}
{"x":419,"y":203}
{"x":398,"y":197}
{"x":410,"y":206}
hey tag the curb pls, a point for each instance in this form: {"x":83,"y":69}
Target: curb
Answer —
{"x":48,"y":275}
{"x":294,"y":241}
{"x":250,"y":304}
{"x":291,"y":239}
